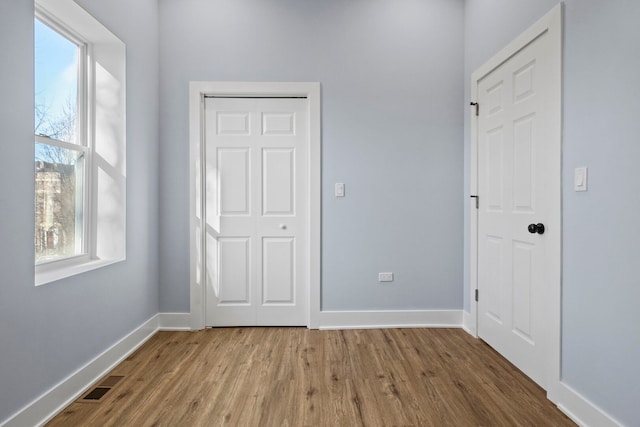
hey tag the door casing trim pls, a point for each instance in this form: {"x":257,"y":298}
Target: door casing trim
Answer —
{"x":197,"y":92}
{"x":551,"y":23}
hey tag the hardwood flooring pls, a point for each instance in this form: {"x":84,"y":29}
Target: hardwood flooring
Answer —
{"x":300,"y":377}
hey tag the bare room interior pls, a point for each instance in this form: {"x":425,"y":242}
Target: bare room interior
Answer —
{"x":378,"y":256}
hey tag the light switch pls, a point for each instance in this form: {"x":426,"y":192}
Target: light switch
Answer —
{"x":339,"y":189}
{"x":580,"y":179}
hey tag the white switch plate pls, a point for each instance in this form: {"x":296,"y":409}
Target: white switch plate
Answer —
{"x":580,"y":179}
{"x":339,"y":189}
{"x":385,"y":277}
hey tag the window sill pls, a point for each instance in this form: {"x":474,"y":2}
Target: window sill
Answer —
{"x":52,"y":274}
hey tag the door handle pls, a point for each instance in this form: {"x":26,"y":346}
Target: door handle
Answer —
{"x":536,"y":228}
{"x":283,"y":226}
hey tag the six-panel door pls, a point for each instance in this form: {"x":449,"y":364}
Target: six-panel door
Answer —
{"x":513,"y":155}
{"x":256,"y":211}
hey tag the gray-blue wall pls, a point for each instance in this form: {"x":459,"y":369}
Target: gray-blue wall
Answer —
{"x":392,"y":123}
{"x":600,"y":281}
{"x":48,"y":332}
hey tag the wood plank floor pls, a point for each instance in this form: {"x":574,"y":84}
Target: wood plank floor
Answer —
{"x":300,"y":377}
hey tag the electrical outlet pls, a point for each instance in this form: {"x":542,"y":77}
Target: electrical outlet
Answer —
{"x":385,"y":277}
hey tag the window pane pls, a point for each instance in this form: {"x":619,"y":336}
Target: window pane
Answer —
{"x":59,"y":202}
{"x":56,"y":84}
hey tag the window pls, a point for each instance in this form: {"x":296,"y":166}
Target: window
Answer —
{"x":79,"y":134}
{"x":61,"y":143}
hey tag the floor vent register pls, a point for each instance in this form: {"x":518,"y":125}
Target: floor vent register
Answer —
{"x":98,"y":391}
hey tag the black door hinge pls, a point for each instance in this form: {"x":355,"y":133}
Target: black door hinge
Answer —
{"x":473,"y":196}
{"x":475,"y":104}
{"x":476,"y":295}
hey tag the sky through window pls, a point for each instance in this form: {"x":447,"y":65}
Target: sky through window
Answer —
{"x":56,"y":84}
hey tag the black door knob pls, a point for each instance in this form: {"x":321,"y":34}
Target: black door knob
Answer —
{"x":536,"y":228}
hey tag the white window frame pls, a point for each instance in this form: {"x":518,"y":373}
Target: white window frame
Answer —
{"x":102,"y":131}
{"x":83,"y":143}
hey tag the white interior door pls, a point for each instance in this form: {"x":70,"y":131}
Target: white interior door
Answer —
{"x":256,"y":211}
{"x":516,"y":152}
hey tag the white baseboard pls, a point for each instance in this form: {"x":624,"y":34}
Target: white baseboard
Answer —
{"x":174,"y":321}
{"x":57,"y":398}
{"x":468,"y":324}
{"x":580,"y":409}
{"x":390,"y":319}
